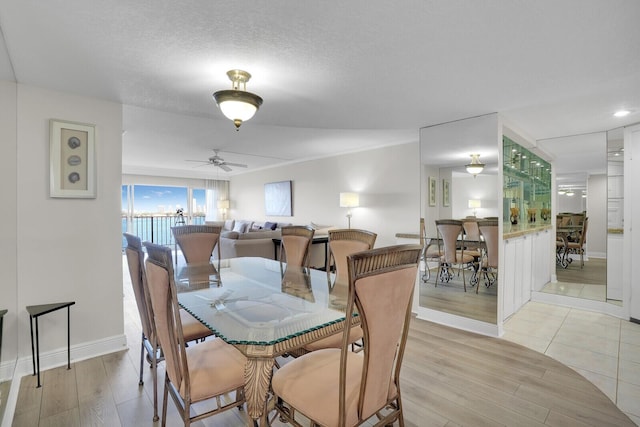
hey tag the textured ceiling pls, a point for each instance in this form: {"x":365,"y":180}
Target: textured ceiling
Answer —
{"x":335,"y":76}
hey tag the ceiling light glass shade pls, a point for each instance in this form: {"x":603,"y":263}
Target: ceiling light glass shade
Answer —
{"x":475,"y":167}
{"x":237,"y":104}
{"x":622,"y":113}
{"x":570,"y":193}
{"x":561,"y":192}
{"x":349,"y":200}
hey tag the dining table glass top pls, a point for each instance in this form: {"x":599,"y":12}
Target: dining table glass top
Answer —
{"x":258,"y":301}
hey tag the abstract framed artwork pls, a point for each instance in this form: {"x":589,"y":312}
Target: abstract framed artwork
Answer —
{"x":432,"y":191}
{"x":445,"y":193}
{"x":72,"y":160}
{"x":277,"y":198}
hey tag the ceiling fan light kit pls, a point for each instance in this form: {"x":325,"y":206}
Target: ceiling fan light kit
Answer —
{"x":237,"y":104}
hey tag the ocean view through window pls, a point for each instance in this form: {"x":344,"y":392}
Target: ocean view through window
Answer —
{"x":149,"y":211}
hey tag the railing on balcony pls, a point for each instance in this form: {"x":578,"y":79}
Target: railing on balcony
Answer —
{"x":156,"y":228}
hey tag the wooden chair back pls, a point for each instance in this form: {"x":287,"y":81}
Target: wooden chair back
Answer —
{"x":344,"y":242}
{"x":135,"y":261}
{"x":197,"y":242}
{"x":378,"y":279}
{"x":296,"y":242}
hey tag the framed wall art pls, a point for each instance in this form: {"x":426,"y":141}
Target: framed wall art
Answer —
{"x":72,"y":157}
{"x":277,"y":198}
{"x":432,"y":191}
{"x":445,"y":193}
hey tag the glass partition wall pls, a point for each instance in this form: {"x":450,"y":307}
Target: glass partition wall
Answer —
{"x":527,"y":187}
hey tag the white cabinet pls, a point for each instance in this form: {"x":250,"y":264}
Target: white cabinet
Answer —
{"x":526,"y":267}
{"x":614,"y":268}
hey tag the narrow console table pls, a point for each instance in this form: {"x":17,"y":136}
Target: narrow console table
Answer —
{"x":36,"y":311}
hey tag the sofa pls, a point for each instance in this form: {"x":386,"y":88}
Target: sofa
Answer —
{"x":240,"y":238}
{"x":243,"y":238}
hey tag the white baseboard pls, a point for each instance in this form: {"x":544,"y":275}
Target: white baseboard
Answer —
{"x":460,"y":322}
{"x":6,"y":370}
{"x":82,"y":351}
{"x":55,"y":358}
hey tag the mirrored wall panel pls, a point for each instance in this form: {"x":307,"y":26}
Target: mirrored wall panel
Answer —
{"x":457,"y":190}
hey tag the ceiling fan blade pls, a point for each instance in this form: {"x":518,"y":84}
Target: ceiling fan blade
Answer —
{"x":224,"y":167}
{"x":238,"y":165}
{"x":199,"y":161}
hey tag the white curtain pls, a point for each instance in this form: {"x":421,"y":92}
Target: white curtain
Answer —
{"x":216,"y":190}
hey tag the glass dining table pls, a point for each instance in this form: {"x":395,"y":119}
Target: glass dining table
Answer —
{"x":262,"y":308}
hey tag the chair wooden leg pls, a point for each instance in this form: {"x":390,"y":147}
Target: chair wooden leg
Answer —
{"x":140,"y":382}
{"x":154,"y":372}
{"x":165,"y":397}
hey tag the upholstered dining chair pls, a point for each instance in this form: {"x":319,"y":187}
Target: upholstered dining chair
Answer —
{"x":430,"y":251}
{"x":193,"y":330}
{"x":203,"y":372}
{"x":337,"y":387}
{"x":449,"y":230}
{"x":489,"y":231}
{"x":579,"y":246}
{"x":197,"y":242}
{"x":342,"y":243}
{"x":296,"y":243}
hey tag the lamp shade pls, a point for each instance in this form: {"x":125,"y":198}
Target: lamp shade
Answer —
{"x":475,"y":167}
{"x":349,"y":200}
{"x":223,"y":204}
{"x":474,"y":204}
{"x":237,"y":104}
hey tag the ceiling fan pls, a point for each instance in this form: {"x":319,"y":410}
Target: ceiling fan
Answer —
{"x":218,"y":161}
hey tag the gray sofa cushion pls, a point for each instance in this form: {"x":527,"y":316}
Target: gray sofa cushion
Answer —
{"x":230,"y":234}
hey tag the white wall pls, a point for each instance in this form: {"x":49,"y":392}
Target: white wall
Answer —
{"x":483,"y":187}
{"x":387,"y":179}
{"x":8,"y":236}
{"x":68,"y":249}
{"x":575,"y":203}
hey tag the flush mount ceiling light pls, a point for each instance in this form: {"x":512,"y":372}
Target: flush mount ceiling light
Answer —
{"x":475,"y":167}
{"x":622,"y":113}
{"x":237,"y":104}
{"x":570,"y":192}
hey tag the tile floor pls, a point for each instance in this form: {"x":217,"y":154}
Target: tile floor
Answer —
{"x":604,"y":349}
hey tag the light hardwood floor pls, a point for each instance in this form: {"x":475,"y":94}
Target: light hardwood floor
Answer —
{"x":449,"y":378}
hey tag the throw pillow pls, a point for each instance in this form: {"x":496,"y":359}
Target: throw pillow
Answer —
{"x":256,"y":227}
{"x":229,"y":224}
{"x":240,"y":227}
{"x":270,"y":225}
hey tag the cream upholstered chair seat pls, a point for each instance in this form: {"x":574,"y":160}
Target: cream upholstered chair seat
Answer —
{"x":318,"y":385}
{"x":206,"y":382}
{"x":337,"y":387}
{"x":335,"y":340}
